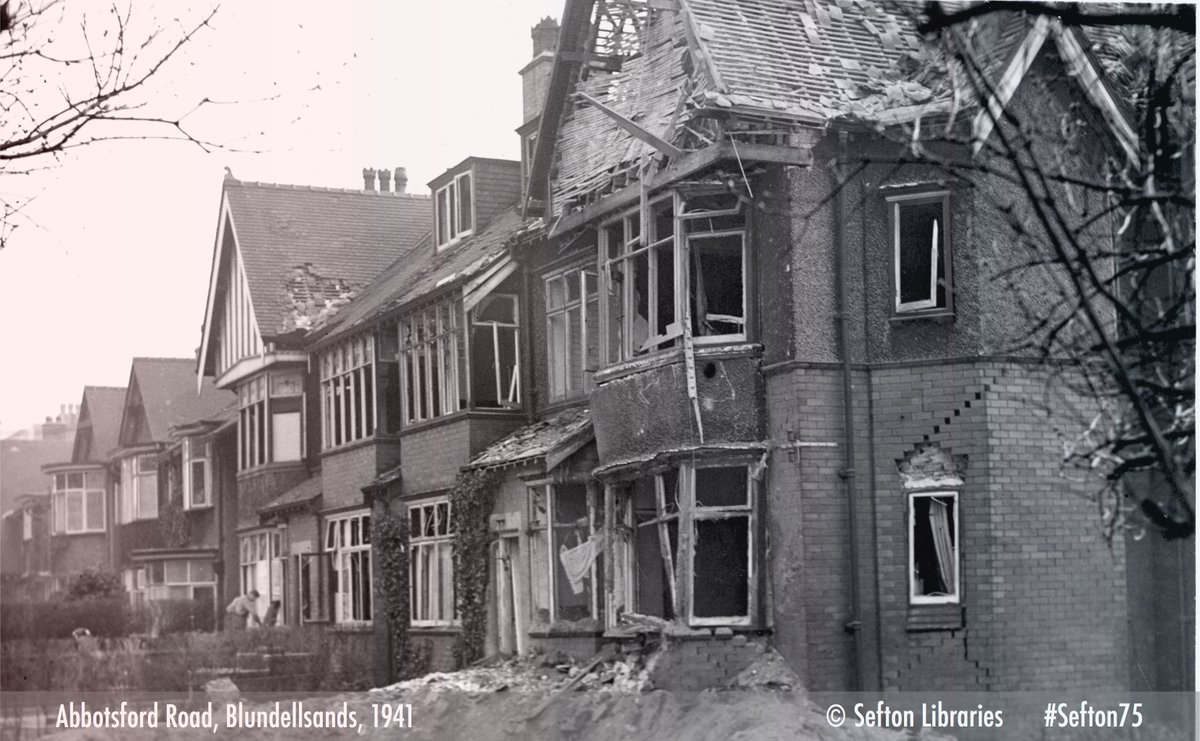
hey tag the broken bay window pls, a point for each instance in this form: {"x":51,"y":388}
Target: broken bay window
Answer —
{"x":921,"y":250}
{"x":453,"y":212}
{"x":717,"y":265}
{"x":576,"y":551}
{"x":432,"y":362}
{"x":683,"y":545}
{"x":270,"y":419}
{"x":431,"y":564}
{"x":640,"y":282}
{"x":572,"y":332}
{"x":495,"y":352}
{"x":348,"y":391}
{"x":933,"y":547}
{"x":691,"y":261}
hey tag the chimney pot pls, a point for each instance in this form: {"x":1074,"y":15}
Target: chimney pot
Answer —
{"x":385,"y":180}
{"x":368,"y":179}
{"x":545,"y":35}
{"x":401,"y":180}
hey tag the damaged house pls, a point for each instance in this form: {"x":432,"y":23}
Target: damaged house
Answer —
{"x":723,"y":341}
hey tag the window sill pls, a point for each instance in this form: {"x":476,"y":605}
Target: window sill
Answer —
{"x":413,"y":428}
{"x":923,"y":618}
{"x":715,"y":351}
{"x":940,"y":316}
{"x":198,"y":508}
{"x":80,"y":532}
{"x":345,"y":447}
{"x":448,"y":629}
{"x":361,"y":627}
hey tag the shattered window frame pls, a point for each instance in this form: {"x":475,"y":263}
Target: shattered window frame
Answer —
{"x":917,"y":594}
{"x":572,"y":331}
{"x":679,"y":558}
{"x":348,"y":541}
{"x":264,"y":569}
{"x":594,"y":525}
{"x":431,"y":564}
{"x":433,"y":373}
{"x":940,"y":296}
{"x":623,"y":336}
{"x":506,"y":386}
{"x":348,"y":393}
{"x":708,"y":224}
{"x":454,"y":215}
{"x":76,"y":488}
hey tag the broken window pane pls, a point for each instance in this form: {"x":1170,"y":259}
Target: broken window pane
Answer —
{"x":495,"y":354}
{"x":920,"y":254}
{"x":934,"y":534}
{"x":721,"y":568}
{"x":718,"y":285}
{"x":721,"y":487}
{"x":575,"y":553}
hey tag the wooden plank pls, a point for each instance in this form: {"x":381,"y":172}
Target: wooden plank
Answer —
{"x":687,"y":165}
{"x":653,"y":140}
{"x":664,"y":540}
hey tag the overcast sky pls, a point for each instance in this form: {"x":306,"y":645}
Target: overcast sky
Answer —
{"x":112,"y":260}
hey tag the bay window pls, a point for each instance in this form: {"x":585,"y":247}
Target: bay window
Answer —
{"x":685,"y":255}
{"x":684,"y":545}
{"x":432,"y":366}
{"x":271,"y":419}
{"x":78,"y":503}
{"x":348,"y":391}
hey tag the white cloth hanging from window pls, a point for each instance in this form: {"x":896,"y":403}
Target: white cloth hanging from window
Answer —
{"x":577,"y":562}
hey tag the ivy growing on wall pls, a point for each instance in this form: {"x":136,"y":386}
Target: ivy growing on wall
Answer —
{"x":389,"y":541}
{"x":172,"y":519}
{"x":471,"y":503}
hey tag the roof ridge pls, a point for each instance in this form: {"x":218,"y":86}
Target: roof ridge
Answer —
{"x":105,"y":388}
{"x":161,"y":359}
{"x":325,"y":189}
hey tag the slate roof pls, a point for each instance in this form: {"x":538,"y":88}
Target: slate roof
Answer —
{"x":537,"y":440}
{"x":169,"y":398}
{"x":302,"y":493}
{"x":799,"y":62}
{"x":343,"y":236}
{"x":21,"y":464}
{"x":104,"y":408}
{"x":423,"y":272}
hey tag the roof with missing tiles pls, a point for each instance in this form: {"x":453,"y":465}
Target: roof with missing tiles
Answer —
{"x":423,"y":272}
{"x":559,"y":434}
{"x":308,"y":250}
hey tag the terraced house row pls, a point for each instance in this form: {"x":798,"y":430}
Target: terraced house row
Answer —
{"x":724,"y":335}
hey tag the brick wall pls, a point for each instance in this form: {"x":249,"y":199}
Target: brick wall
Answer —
{"x":257,"y":487}
{"x":497,"y":186}
{"x":345,"y":472}
{"x":434,"y":453}
{"x":75,"y":553}
{"x":695,"y":663}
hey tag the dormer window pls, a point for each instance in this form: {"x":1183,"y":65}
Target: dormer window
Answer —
{"x":453,"y":214}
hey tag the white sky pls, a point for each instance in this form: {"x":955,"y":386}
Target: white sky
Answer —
{"x":113,"y":261}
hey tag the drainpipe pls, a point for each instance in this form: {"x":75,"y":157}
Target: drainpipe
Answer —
{"x":854,"y":624}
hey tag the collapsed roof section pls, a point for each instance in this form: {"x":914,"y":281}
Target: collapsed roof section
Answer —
{"x":639,"y":86}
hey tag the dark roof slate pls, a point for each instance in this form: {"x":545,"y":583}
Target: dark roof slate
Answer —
{"x":302,"y":493}
{"x":168,"y":390}
{"x":290,"y":236}
{"x":422,"y":272}
{"x":104,"y":406}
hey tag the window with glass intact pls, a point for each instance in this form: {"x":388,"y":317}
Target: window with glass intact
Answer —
{"x":572,"y":332}
{"x":933,"y":537}
{"x":454,"y":216}
{"x":921,"y":251}
{"x":196,"y":480}
{"x":78,"y":503}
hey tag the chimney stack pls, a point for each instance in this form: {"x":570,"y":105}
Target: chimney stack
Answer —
{"x":535,"y":76}
{"x":401,"y":180}
{"x":385,"y":180}
{"x":368,"y":179}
